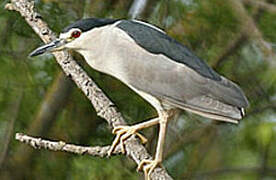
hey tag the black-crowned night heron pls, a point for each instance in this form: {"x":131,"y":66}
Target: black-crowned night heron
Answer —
{"x":158,"y":68}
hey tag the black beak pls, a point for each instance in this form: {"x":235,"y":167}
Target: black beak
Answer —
{"x":55,"y":45}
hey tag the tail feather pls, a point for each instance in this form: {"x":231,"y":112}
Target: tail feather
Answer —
{"x":228,"y":92}
{"x":211,"y":108}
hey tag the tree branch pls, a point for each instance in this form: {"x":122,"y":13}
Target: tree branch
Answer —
{"x":38,"y":143}
{"x":249,"y":27}
{"x":262,"y":5}
{"x":248,"y":30}
{"x":103,"y":106}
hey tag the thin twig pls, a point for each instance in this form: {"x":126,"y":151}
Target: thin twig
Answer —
{"x":230,"y":49}
{"x":103,"y":106}
{"x":39,"y":143}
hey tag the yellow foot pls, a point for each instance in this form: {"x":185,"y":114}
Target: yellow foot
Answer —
{"x":148,"y":167}
{"x":122,"y":133}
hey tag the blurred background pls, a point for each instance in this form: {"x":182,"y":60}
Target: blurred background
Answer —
{"x":235,"y":37}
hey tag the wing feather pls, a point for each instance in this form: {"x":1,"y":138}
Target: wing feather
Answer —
{"x":186,"y":83}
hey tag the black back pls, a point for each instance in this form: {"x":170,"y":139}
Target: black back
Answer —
{"x":158,"y":42}
{"x":88,"y":24}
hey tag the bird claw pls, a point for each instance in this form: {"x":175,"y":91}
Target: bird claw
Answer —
{"x":148,"y":166}
{"x":122,"y":133}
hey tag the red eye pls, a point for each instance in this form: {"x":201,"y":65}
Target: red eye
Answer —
{"x":76,"y":34}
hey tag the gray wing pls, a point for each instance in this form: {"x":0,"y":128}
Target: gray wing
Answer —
{"x":157,"y":42}
{"x":179,"y":78}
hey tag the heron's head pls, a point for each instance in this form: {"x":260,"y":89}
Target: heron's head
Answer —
{"x":76,"y":36}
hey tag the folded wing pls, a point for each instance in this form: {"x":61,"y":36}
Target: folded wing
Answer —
{"x":170,"y":71}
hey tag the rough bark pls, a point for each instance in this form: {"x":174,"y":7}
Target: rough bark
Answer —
{"x":39,"y":143}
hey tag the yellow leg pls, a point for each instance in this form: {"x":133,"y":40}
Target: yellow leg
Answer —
{"x":150,"y":165}
{"x":124,"y":132}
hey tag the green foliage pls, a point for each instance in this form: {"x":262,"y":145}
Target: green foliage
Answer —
{"x":268,"y":30}
{"x":264,"y":134}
